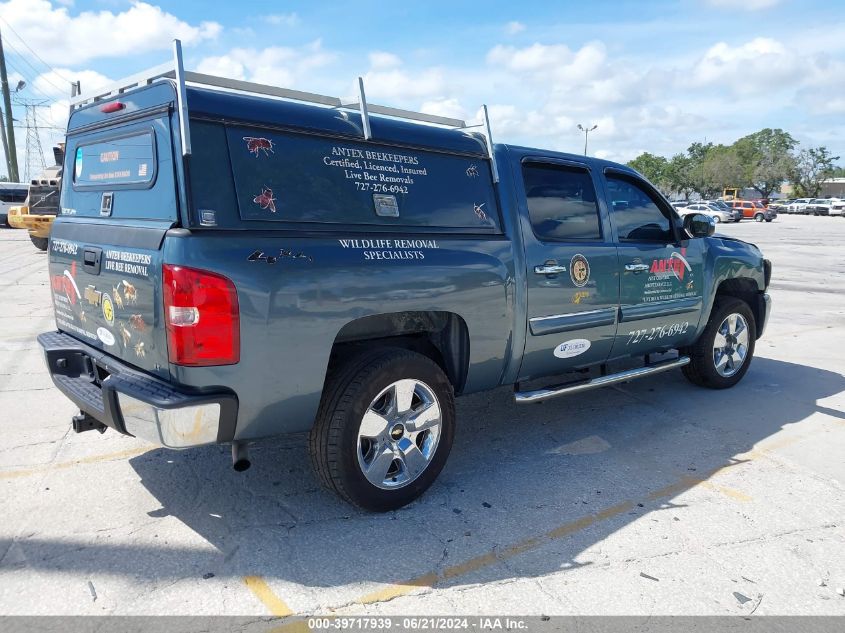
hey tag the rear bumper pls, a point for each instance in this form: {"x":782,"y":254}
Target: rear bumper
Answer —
{"x":135,"y":403}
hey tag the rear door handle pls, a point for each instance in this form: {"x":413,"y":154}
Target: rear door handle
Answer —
{"x":549,"y":269}
{"x":91,"y":258}
{"x":636,"y":268}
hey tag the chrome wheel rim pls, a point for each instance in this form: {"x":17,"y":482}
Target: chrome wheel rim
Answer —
{"x":399,"y":433}
{"x":730,"y":346}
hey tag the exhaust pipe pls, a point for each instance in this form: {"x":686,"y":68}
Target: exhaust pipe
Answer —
{"x":240,"y":457}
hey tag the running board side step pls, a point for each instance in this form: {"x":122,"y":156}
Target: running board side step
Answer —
{"x":594,"y":383}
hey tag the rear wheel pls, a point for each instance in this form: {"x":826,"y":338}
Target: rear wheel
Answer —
{"x":716,"y":219}
{"x":40,"y":243}
{"x":723,"y":352}
{"x":759,"y":217}
{"x":384,"y":429}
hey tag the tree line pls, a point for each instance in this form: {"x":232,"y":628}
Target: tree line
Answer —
{"x":763,"y":160}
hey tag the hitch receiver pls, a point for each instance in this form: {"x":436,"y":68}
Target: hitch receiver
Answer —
{"x":84,"y":422}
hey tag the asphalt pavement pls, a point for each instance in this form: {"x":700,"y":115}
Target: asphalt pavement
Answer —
{"x":653,"y":497}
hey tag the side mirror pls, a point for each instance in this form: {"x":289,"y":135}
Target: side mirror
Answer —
{"x":699,"y":225}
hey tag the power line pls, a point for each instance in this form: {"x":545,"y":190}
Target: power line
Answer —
{"x":23,"y":41}
{"x":38,"y":74}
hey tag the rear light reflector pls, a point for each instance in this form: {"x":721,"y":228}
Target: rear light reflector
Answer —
{"x":201,"y":316}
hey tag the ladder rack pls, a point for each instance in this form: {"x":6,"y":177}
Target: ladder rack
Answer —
{"x":175,"y":70}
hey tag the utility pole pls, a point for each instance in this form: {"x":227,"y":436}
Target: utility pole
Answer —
{"x":586,"y":131}
{"x":5,"y":143}
{"x":11,"y":151}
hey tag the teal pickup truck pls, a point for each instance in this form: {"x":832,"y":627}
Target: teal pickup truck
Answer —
{"x":235,"y":261}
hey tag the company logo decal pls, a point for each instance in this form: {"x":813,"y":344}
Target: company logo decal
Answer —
{"x":265,"y":199}
{"x":574,"y":347}
{"x":105,"y":336}
{"x":579,"y":270}
{"x":676,"y":264}
{"x":108,"y":308}
{"x":257,"y":144}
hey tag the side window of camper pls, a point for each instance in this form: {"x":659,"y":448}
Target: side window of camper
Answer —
{"x":287,"y":177}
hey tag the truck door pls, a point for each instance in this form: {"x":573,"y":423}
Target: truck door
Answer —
{"x":573,"y":281}
{"x":662,"y":276}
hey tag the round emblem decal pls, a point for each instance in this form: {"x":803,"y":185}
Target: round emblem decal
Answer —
{"x":108,"y":309}
{"x":105,"y":336}
{"x":579,"y":270}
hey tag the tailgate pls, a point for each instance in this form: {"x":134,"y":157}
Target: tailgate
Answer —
{"x":106,"y":285}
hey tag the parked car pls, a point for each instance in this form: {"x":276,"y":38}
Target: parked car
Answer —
{"x":780,"y":206}
{"x":327,"y":270}
{"x":754,"y":210}
{"x":736,"y":214}
{"x":838,"y":207}
{"x":819,"y":206}
{"x":710,"y":210}
{"x":799,"y":206}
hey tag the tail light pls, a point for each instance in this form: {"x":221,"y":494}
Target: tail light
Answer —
{"x":201,"y":316}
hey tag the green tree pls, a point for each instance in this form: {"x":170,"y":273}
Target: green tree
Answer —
{"x":719,"y":169}
{"x":679,"y":175}
{"x":810,"y":168}
{"x":654,"y":168}
{"x":766,"y":158}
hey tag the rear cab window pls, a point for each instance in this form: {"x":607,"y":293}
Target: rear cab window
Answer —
{"x":290,"y":178}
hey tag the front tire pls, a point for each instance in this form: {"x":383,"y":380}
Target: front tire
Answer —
{"x":722,"y":354}
{"x":759,"y":217}
{"x":384,"y":428}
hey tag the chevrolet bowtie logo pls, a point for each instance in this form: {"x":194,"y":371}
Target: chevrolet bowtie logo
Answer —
{"x":93,"y":296}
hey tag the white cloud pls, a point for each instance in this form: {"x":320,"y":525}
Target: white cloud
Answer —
{"x":275,"y":65}
{"x":282,"y":19}
{"x":743,"y":5}
{"x":381,"y":60}
{"x":62,"y":38}
{"x":747,"y":67}
{"x":513,"y":28}
{"x":450,"y":107}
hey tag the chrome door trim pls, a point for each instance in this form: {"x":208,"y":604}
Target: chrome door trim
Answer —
{"x":540,"y":326}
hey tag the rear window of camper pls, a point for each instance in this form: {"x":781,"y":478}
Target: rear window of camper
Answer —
{"x":122,"y":161}
{"x":284,"y":177}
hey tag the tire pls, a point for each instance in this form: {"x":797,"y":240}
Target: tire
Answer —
{"x":370,"y":384}
{"x":759,"y":217}
{"x":702,"y":369}
{"x":717,"y":219}
{"x":768,"y":219}
{"x":40,"y":243}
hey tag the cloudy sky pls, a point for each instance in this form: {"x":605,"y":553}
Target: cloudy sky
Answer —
{"x":654,"y":76}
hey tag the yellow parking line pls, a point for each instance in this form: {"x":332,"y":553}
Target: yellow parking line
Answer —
{"x":262,"y":591}
{"x":567,"y":529}
{"x":485,"y":560}
{"x":93,"y":459}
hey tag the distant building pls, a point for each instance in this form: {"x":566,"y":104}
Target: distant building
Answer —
{"x":833,"y":188}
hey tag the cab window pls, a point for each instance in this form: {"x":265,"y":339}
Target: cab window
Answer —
{"x":562,"y":202}
{"x":636,"y":214}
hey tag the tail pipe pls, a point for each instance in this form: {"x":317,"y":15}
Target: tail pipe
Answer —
{"x":240,"y":457}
